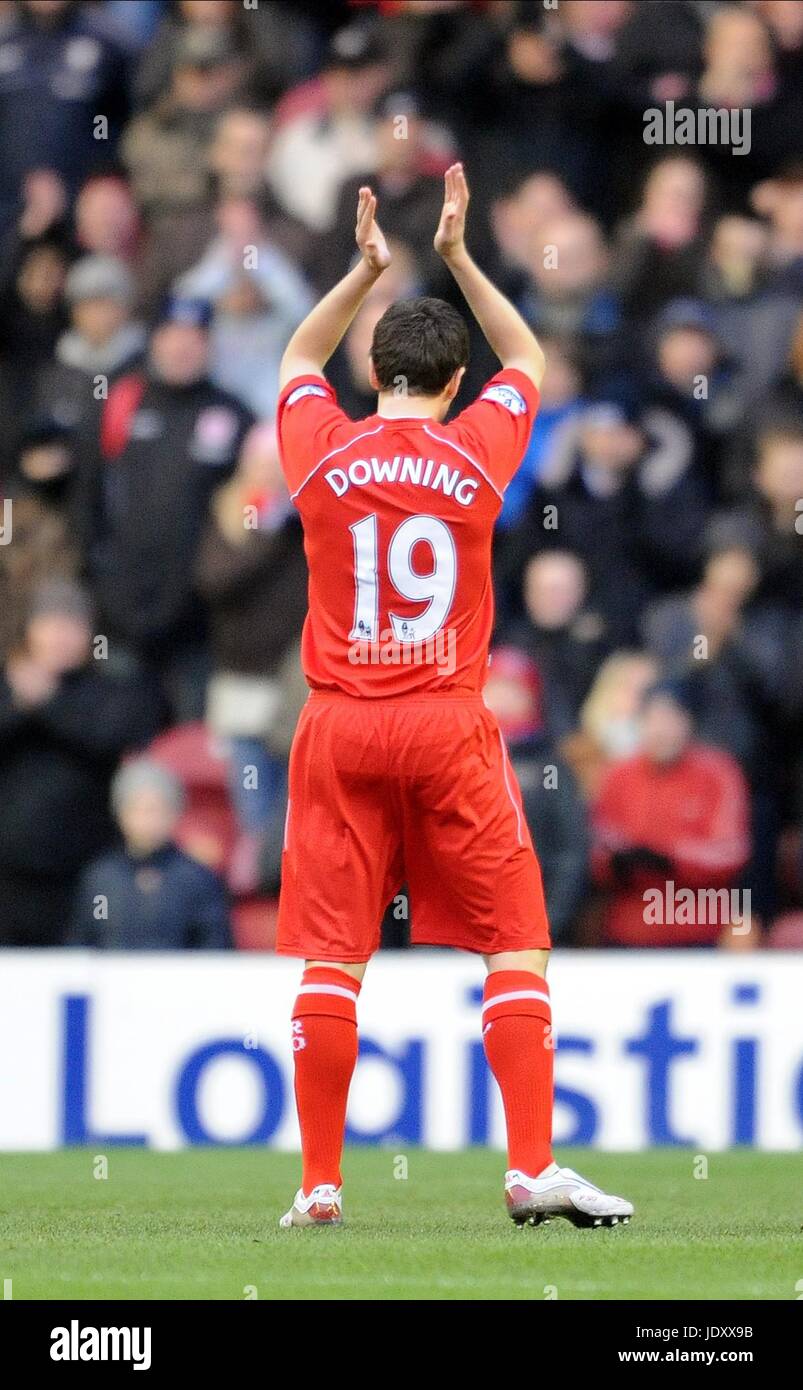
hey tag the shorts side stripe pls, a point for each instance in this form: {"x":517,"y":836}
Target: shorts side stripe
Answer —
{"x":509,"y":790}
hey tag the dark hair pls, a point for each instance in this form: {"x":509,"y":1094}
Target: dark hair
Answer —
{"x":420,"y":341}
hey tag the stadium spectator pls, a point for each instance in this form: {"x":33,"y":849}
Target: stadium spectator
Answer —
{"x":518,"y":217}
{"x":42,"y":211}
{"x":689,"y":374}
{"x":106,"y":218}
{"x":541,"y":65}
{"x":167,"y":437}
{"x":734,"y":276}
{"x":736,"y":260}
{"x":564,"y":637}
{"x":165,"y":151}
{"x":568,"y":294}
{"x":608,"y":728}
{"x":42,"y":545}
{"x":768,"y":519}
{"x":742,"y":71}
{"x":624,"y":495}
{"x":238,"y":153}
{"x":60,"y":74}
{"x":276,"y":41}
{"x":64,"y":724}
{"x":657,"y":252}
{"x":208,"y":27}
{"x":102,"y":343}
{"x":407,"y":178}
{"x":259,"y":298}
{"x":326,"y":127}
{"x":658,"y":52}
{"x":149,"y":895}
{"x":238,"y":159}
{"x":732,"y":650}
{"x":756,"y":287}
{"x":252,"y":573}
{"x":561,"y":402}
{"x":553,"y":808}
{"x":670,"y":819}
{"x":32,"y":318}
{"x":780,"y":199}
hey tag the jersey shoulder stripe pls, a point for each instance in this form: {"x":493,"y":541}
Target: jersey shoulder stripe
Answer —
{"x":452,"y":445}
{"x":339,"y":450}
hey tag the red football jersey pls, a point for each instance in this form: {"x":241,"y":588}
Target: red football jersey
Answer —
{"x":398,"y":520}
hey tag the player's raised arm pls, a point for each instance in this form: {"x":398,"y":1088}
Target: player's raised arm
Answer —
{"x":316,"y":338}
{"x":506,"y":333}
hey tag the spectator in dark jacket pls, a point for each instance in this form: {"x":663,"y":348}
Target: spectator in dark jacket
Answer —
{"x":59,"y":72}
{"x":690,"y":376}
{"x":102,"y":343}
{"x":149,"y":895}
{"x":732,"y":651}
{"x":569,"y":292}
{"x":769,"y":521}
{"x":167,"y":438}
{"x":43,"y":543}
{"x":553,"y":808}
{"x":622,"y":492}
{"x":31,"y":320}
{"x":659,"y":250}
{"x":63,"y":727}
{"x":565,"y":637}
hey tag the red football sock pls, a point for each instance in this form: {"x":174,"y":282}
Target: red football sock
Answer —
{"x":325,"y":1054}
{"x":516,"y":1033}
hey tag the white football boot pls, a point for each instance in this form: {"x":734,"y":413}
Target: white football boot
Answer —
{"x":562,"y":1192}
{"x":323,"y":1207}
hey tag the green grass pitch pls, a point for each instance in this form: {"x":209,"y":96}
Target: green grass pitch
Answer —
{"x":202,"y":1224}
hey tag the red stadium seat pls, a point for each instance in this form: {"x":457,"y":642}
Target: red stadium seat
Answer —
{"x":786,"y":933}
{"x":208,"y":829}
{"x":193,"y":754}
{"x":254,"y":924}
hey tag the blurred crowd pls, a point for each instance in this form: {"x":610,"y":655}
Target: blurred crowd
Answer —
{"x":177,"y":186}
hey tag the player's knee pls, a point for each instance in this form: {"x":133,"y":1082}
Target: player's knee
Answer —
{"x":533,"y":961}
{"x":356,"y":969}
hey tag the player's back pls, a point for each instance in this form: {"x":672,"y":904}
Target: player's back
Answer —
{"x":398,"y":517}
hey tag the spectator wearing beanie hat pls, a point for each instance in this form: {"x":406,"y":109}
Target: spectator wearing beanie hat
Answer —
{"x":101,"y":344}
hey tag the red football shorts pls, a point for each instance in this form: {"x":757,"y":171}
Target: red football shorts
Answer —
{"x":416,"y":790}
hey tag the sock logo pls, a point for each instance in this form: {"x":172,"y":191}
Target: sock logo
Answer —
{"x":299,"y":1040}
